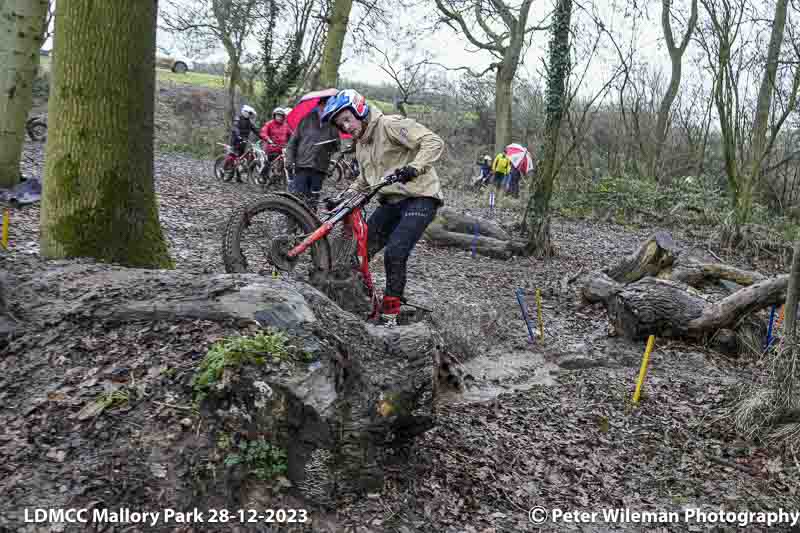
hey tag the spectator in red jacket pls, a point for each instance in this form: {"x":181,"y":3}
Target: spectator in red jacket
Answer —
{"x":276,"y":133}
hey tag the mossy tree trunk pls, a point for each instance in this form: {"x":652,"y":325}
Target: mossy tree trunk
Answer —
{"x":332,"y":53}
{"x":761,"y":123}
{"x":537,"y":213}
{"x":21,"y":33}
{"x":98,"y":196}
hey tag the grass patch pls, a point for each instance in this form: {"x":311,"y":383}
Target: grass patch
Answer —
{"x":261,"y":459}
{"x":191,"y":78}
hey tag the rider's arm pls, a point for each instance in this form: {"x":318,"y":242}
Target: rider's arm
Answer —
{"x":414,"y":136}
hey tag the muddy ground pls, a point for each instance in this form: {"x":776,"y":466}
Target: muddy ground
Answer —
{"x":545,"y":424}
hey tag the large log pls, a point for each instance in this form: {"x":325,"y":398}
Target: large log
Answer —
{"x":346,"y":393}
{"x":655,"y":254}
{"x":488,"y":246}
{"x":651,"y":292}
{"x":458,"y":222}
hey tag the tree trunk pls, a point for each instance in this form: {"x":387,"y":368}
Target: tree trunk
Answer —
{"x":744,"y":204}
{"x":502,"y":106}
{"x":98,"y":196}
{"x":234,"y":75}
{"x":332,"y":54}
{"x":790,"y":311}
{"x":676,"y":58}
{"x":21,"y":28}
{"x":537,"y":212}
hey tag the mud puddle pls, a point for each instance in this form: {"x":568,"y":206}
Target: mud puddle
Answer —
{"x":493,"y":374}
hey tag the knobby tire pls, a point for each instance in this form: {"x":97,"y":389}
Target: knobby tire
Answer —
{"x":233,"y":258}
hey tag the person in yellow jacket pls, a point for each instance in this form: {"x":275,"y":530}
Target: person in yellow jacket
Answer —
{"x":385,"y":145}
{"x":501,"y":167}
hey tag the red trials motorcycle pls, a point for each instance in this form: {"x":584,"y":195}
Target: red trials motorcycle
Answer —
{"x":275,"y":233}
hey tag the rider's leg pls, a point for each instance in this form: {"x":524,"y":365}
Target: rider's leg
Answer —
{"x":300,"y":186}
{"x":315,"y":189}
{"x":239,"y":149}
{"x":380,"y":225}
{"x":416,"y":215}
{"x":230,"y":160}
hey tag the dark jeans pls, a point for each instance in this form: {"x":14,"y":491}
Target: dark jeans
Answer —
{"x":307,"y":184}
{"x":514,"y":188}
{"x":398,"y":227}
{"x":499,"y":179}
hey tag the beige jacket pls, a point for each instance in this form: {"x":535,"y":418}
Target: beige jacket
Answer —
{"x":391,"y":142}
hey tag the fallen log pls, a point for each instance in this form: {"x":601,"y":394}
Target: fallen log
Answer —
{"x":651,"y":292}
{"x":655,"y":254}
{"x":457,"y":222}
{"x":487,"y":246}
{"x":696,"y":274}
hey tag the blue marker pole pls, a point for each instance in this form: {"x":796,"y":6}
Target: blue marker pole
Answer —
{"x":524,"y":314}
{"x":769,"y":328}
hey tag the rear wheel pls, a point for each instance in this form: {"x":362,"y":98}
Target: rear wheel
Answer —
{"x":259,"y":234}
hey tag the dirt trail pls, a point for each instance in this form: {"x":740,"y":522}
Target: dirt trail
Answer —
{"x":543,"y":424}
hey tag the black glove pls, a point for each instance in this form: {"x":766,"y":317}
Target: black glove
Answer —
{"x":290,"y":170}
{"x":406,"y":174}
{"x":330,"y":203}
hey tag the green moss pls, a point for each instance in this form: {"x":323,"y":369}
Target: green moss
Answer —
{"x":108,"y":231}
{"x":233,"y":353}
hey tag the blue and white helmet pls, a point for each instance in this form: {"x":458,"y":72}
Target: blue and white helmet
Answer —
{"x":346,"y":99}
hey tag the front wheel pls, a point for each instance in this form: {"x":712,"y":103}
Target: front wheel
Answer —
{"x":259,"y":234}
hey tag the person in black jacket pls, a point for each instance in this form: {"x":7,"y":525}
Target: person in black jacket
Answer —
{"x":308,"y":154}
{"x":243,"y":126}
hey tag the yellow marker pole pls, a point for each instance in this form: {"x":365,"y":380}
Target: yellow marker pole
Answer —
{"x":6,"y":220}
{"x":780,"y":318}
{"x":643,"y":370}
{"x":539,"y":313}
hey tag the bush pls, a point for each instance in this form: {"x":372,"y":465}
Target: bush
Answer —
{"x":621,"y":197}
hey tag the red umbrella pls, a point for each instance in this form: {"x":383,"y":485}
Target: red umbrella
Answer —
{"x":520,"y":157}
{"x":306,"y":104}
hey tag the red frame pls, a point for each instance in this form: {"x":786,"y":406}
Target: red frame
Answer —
{"x":355,"y":221}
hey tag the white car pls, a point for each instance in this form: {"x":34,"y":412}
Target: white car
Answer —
{"x":174,"y":62}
